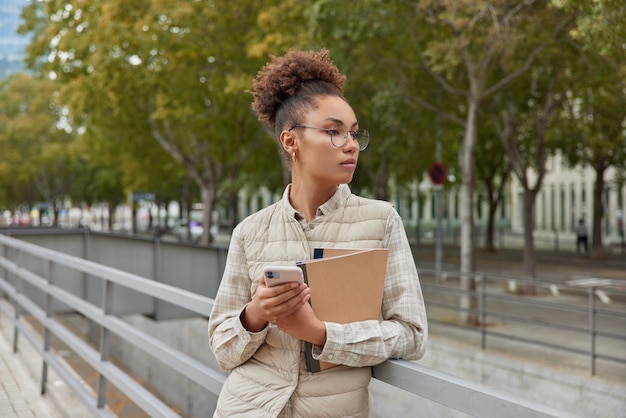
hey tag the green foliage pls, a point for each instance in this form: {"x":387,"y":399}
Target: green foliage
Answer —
{"x":149,"y":74}
{"x":594,"y":114}
{"x":599,"y":25}
{"x":155,"y":91}
{"x":41,"y":158}
{"x":369,"y":40}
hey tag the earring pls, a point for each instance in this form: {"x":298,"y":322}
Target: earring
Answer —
{"x":293,"y":157}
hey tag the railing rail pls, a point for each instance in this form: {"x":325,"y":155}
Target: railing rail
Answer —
{"x":485,"y":294}
{"x":463,"y":395}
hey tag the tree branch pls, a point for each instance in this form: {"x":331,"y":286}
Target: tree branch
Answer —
{"x":437,"y":110}
{"x":512,"y":76}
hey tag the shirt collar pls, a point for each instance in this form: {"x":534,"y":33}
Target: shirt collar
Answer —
{"x":336,"y":201}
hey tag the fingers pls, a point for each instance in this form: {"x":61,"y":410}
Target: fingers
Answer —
{"x":281,"y":300}
{"x":293,"y":304}
{"x":290,"y":301}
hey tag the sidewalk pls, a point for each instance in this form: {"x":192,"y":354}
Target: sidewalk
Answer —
{"x":558,"y":268}
{"x":550,"y":265}
{"x":20,"y":394}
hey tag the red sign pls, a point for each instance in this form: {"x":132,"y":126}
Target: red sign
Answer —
{"x":437,"y":173}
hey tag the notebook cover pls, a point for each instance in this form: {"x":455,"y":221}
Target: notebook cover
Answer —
{"x":346,"y":286}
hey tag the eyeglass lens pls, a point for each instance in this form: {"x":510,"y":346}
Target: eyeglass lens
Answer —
{"x":340,"y":136}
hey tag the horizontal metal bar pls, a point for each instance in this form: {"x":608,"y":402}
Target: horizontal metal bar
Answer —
{"x":506,"y":298}
{"x":535,"y":342}
{"x":529,"y":341}
{"x":183,"y":298}
{"x":187,"y":366}
{"x":555,"y":305}
{"x":515,"y":318}
{"x":182,"y":363}
{"x":611,"y":358}
{"x":606,"y":312}
{"x":86,"y":397}
{"x":459,"y":394}
{"x":521,"y":279}
{"x":610,"y":335}
{"x":127,"y":385}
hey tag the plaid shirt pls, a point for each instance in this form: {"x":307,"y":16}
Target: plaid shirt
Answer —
{"x":402,"y":332}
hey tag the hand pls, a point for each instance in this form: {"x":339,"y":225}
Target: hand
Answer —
{"x":272,"y":303}
{"x":304,"y":325}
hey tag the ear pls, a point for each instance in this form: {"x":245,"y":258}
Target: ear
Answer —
{"x":288,"y":142}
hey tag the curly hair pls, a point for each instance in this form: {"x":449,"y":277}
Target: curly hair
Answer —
{"x":286,"y":88}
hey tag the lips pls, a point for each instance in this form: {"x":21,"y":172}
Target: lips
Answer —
{"x":350,"y":162}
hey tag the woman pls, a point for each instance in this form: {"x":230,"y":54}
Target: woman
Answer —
{"x":258,"y":332}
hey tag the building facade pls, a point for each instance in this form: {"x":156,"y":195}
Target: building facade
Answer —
{"x":565,"y":197}
{"x":12,"y":45}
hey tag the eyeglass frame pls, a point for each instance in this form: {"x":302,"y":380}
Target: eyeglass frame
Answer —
{"x":353,"y":134}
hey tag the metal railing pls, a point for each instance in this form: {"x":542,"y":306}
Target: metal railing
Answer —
{"x":462,"y":395}
{"x":498,"y":304}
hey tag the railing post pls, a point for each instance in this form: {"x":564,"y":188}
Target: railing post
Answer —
{"x":592,"y":328}
{"x":156,"y":271}
{"x":482,"y":306}
{"x":4,"y":270}
{"x":86,"y":256}
{"x":105,"y":341}
{"x":156,"y":259}
{"x":18,"y":309}
{"x":46,"y":332}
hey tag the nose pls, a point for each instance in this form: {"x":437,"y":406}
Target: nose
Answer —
{"x":351,"y":141}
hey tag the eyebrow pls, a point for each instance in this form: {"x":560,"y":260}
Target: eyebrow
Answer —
{"x":338,"y":121}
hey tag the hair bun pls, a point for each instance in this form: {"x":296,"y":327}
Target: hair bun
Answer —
{"x":282,"y":77}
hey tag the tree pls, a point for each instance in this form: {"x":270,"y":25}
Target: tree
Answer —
{"x":461,"y":46}
{"x":464,"y":58}
{"x":371,"y":51}
{"x":493,"y":174}
{"x":596,"y":102}
{"x":170,"y":72}
{"x":523,"y":130}
{"x":596,"y":112}
{"x":38,"y":151}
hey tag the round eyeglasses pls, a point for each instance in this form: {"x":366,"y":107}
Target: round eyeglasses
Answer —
{"x":339,"y":135}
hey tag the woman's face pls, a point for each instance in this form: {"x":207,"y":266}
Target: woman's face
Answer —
{"x":318,"y":160}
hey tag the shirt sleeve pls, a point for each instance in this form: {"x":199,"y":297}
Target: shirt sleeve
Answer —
{"x":403,"y":331}
{"x":231,"y":343}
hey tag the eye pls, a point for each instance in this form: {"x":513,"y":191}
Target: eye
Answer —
{"x":333,"y":131}
{"x":354,"y":134}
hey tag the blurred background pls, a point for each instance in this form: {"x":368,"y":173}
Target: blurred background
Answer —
{"x":489,"y":119}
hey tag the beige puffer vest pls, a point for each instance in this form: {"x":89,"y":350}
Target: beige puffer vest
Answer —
{"x":275,"y":382}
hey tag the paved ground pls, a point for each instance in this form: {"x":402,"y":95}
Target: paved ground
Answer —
{"x":19,"y":391}
{"x":19,"y":387}
{"x":559,"y":268}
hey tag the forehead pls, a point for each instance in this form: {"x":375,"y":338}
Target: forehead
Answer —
{"x":332,"y":108}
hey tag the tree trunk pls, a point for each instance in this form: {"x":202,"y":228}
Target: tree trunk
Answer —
{"x":468,"y":302}
{"x":233,"y":201}
{"x":208,"y":201}
{"x":381,"y":182}
{"x":491,"y":220}
{"x":597,"y":248}
{"x":111,"y":207}
{"x":529,"y":242}
{"x":55,"y":214}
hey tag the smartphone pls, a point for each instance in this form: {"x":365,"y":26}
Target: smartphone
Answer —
{"x":282,"y":274}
